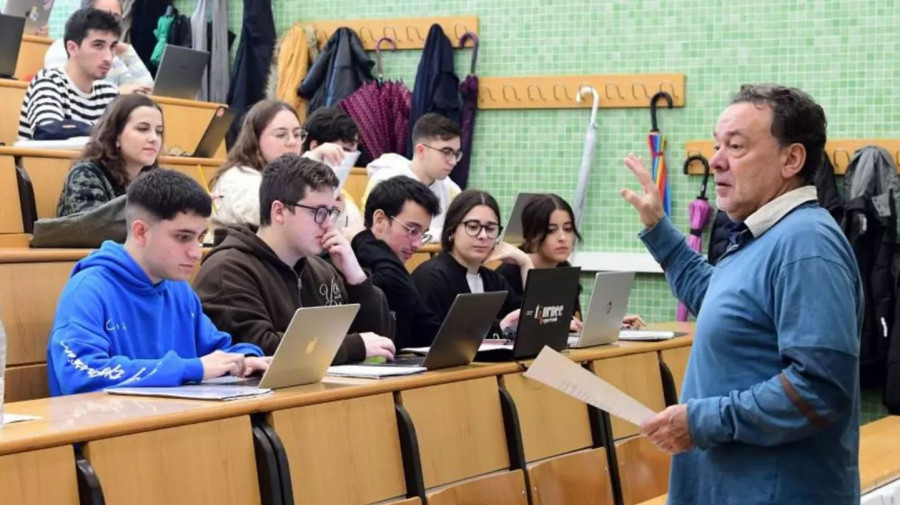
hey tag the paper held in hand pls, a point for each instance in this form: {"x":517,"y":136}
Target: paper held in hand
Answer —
{"x":561,"y":373}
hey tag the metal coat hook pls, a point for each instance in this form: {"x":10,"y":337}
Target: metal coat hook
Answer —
{"x":475,"y":42}
{"x":378,"y":67}
{"x":539,"y":91}
{"x":616,"y":87}
{"x":362,"y":37}
{"x":565,"y":92}
{"x":484,"y":90}
{"x":671,"y":88}
{"x":655,"y":98}
{"x":515,"y":93}
{"x":418,"y":33}
{"x":580,"y":97}
{"x":646,"y":94}
{"x":465,"y":30}
{"x":705,"y":162}
{"x":384,"y":30}
{"x":841,"y":150}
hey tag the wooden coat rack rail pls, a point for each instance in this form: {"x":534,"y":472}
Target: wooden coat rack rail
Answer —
{"x":408,"y":33}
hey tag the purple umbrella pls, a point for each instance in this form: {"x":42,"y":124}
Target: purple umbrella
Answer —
{"x":469,"y":91}
{"x":381,"y":111}
{"x":699,"y":212}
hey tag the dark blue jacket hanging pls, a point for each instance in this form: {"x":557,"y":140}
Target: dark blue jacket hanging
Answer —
{"x":253,"y":59}
{"x":437,"y":85}
{"x":341,"y":68}
{"x":145,"y":15}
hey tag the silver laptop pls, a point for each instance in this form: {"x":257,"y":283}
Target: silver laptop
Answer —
{"x":215,"y":133}
{"x":513,"y":232}
{"x":467,"y":323}
{"x":603,"y":320}
{"x":35,"y":12}
{"x":180,"y":72}
{"x":306,"y":350}
{"x":11,"y":29}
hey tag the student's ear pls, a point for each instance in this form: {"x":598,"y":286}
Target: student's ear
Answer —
{"x":418,"y":150}
{"x":139,"y":231}
{"x":71,"y":46}
{"x":276,"y":212}
{"x":378,"y":220}
{"x":313,"y":144}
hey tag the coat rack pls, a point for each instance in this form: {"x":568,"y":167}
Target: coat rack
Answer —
{"x":558,"y":92}
{"x":839,"y":151}
{"x":408,"y":33}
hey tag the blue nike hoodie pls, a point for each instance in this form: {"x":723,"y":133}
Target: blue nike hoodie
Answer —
{"x":113,"y":326}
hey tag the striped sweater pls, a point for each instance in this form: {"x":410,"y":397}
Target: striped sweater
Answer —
{"x":52,"y":98}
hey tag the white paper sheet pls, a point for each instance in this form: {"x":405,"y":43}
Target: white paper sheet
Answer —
{"x":194,"y":392}
{"x":561,"y":373}
{"x":17,"y":418}
{"x":373,"y":372}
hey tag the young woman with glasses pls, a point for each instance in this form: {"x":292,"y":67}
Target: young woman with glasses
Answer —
{"x":469,"y":239}
{"x":270,"y":128}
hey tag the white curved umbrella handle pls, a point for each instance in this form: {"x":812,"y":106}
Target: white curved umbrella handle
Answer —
{"x":579,"y":97}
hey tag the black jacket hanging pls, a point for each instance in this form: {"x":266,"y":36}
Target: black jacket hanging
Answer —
{"x":341,"y":68}
{"x":437,"y":85}
{"x":145,"y":15}
{"x":251,"y":64}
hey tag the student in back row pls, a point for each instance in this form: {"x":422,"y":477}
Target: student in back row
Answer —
{"x":252,"y":283}
{"x":436,"y":141}
{"x":125,"y":143}
{"x":65,"y":102}
{"x":128,"y":73}
{"x":128,"y":316}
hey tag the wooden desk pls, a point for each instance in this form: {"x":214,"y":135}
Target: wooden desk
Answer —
{"x":43,"y":477}
{"x":31,"y":56}
{"x":638,"y":376}
{"x":356,"y":185}
{"x":12,"y":93}
{"x":879,"y":463}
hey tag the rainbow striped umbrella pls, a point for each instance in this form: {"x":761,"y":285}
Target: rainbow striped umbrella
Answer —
{"x":657,"y":144}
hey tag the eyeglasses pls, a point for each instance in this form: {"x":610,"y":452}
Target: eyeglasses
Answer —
{"x":321,"y":213}
{"x":284,"y":136}
{"x":473,"y":228}
{"x":449,"y":154}
{"x":414,"y":232}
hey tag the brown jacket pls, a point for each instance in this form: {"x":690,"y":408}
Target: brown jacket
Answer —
{"x":249,"y":292}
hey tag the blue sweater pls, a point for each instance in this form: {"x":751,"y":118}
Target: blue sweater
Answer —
{"x":114,"y":327}
{"x":772,"y":387}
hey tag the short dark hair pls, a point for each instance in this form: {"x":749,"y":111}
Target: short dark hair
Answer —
{"x":329,"y":124}
{"x":459,"y":207}
{"x":89,"y":18}
{"x":434,"y":126}
{"x":390,"y":195}
{"x":163,"y":194}
{"x":536,"y":219}
{"x":288,"y":178}
{"x":796,"y":118}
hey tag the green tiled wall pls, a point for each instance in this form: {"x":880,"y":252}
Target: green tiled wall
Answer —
{"x":843,"y":52}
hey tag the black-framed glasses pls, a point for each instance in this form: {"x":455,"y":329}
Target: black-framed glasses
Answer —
{"x":473,"y":228}
{"x":414,"y":232}
{"x":320,"y":213}
{"x":449,"y":154}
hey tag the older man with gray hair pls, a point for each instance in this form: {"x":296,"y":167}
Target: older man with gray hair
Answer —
{"x":769,"y":412}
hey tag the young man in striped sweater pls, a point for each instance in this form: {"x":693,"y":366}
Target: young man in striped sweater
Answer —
{"x":65,"y":102}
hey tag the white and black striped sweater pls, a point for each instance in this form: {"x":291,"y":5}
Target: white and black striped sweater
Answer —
{"x":52,"y":97}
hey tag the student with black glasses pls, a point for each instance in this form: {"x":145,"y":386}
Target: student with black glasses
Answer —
{"x":252,"y":283}
{"x":469,"y":240}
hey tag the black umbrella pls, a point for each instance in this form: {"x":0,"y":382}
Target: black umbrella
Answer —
{"x":469,"y":92}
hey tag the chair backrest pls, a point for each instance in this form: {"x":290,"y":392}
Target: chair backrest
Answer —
{"x":643,"y":470}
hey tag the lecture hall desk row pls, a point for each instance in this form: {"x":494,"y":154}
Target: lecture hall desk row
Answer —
{"x":468,"y":435}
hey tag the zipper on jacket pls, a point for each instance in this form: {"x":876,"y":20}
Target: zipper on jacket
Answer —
{"x":299,"y":289}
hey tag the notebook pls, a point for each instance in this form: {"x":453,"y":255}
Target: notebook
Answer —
{"x":194,"y":392}
{"x":373,"y":371}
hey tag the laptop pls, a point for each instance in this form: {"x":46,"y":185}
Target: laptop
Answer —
{"x":215,"y":133}
{"x":513,"y":233}
{"x":180,"y":72}
{"x":11,"y":29}
{"x":306,"y":350}
{"x":467,"y":323}
{"x":547,"y":309}
{"x":603,"y":319}
{"x":36,"y":14}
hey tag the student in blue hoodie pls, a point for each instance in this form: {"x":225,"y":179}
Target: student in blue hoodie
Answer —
{"x":128,"y":315}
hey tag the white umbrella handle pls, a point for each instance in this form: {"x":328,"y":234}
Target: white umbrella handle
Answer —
{"x":589,"y":89}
